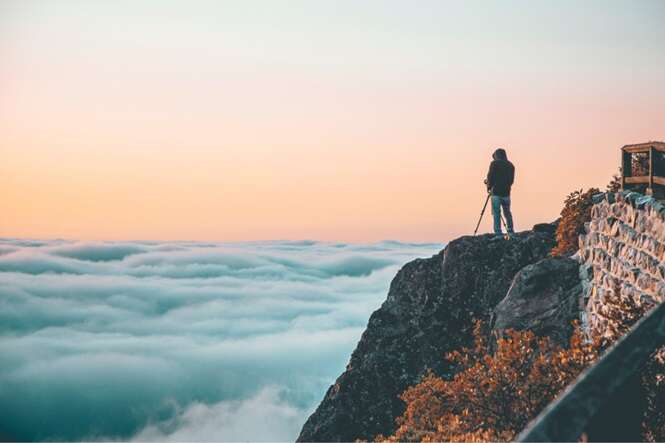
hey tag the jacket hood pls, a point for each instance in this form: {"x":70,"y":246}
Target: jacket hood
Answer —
{"x":500,"y":154}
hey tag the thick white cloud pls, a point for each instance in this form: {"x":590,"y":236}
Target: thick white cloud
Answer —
{"x":263,"y":417}
{"x":180,"y":341}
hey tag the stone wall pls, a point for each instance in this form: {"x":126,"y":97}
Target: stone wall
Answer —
{"x":622,"y":255}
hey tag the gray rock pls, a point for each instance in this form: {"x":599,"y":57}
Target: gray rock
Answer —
{"x":546,"y":228}
{"x":544,"y":298}
{"x":429,"y":311}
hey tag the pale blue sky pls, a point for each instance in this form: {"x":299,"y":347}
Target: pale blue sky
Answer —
{"x":332,"y":109}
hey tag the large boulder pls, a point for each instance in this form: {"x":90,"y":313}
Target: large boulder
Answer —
{"x":544,"y":297}
{"x":429,"y":311}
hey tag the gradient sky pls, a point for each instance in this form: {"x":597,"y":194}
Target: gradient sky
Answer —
{"x":342,"y":120}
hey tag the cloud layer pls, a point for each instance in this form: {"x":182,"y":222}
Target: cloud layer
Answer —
{"x":180,"y":341}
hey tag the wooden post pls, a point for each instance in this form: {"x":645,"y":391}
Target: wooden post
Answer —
{"x":651,"y":170}
{"x":626,"y":168}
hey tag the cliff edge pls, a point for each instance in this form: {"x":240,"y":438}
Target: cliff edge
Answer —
{"x":429,"y":311}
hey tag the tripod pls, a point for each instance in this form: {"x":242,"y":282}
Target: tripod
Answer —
{"x":483,"y":213}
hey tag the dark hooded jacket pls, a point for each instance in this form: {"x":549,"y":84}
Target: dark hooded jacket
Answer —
{"x":501,"y":174}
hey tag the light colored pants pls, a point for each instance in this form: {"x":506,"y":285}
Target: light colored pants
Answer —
{"x":497,"y":204}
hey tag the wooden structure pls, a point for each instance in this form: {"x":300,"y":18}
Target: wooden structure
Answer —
{"x":643,"y":168}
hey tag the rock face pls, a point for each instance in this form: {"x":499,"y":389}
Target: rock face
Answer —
{"x":429,"y":311}
{"x":544,"y":298}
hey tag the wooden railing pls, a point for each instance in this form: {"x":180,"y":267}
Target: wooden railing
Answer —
{"x":601,"y":396}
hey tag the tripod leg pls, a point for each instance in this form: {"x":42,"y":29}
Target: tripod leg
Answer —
{"x":481,"y":214}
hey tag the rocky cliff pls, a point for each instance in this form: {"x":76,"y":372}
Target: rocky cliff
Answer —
{"x":545,"y":297}
{"x":429,"y":311}
{"x":432,"y":304}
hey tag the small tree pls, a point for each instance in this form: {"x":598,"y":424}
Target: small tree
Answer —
{"x":615,"y":183}
{"x":494,"y":395}
{"x":575,"y":213}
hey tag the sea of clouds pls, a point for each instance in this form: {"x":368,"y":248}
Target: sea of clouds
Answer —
{"x":180,"y":341}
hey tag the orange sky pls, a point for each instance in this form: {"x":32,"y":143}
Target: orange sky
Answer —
{"x":118,"y":123}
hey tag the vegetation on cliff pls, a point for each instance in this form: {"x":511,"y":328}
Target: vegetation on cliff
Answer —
{"x":575,"y":213}
{"x":501,"y":386}
{"x":496,"y":393}
{"x":489,"y":385}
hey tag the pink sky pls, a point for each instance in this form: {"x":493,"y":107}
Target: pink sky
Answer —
{"x":236,"y":123}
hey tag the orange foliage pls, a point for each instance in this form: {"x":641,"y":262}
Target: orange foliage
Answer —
{"x":495,"y":394}
{"x":576,"y":211}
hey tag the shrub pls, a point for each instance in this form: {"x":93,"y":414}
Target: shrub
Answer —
{"x":615,"y":183}
{"x":576,"y":211}
{"x":494,"y":395}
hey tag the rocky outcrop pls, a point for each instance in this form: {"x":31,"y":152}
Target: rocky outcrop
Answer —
{"x":544,"y":298}
{"x":429,"y":311}
{"x":432,"y":304}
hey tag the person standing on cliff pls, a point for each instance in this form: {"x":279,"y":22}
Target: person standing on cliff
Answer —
{"x":500,"y":178}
